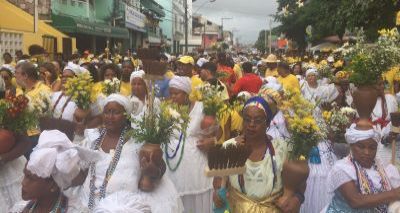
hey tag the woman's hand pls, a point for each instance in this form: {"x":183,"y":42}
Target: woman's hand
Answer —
{"x":240,"y":140}
{"x":289,"y":204}
{"x":218,"y":202}
{"x":205,"y":144}
{"x":151,"y":168}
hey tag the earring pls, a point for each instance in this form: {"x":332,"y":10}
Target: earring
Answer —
{"x":52,"y":190}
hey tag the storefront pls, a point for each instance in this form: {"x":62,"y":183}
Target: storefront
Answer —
{"x":135,"y":22}
{"x":17,"y":33}
{"x":90,"y":35}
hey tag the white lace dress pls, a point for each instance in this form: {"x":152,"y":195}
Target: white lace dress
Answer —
{"x":164,"y":199}
{"x":317,"y":195}
{"x":11,"y":175}
{"x":193,"y":186}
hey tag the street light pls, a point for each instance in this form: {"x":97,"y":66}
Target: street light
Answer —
{"x":222,"y":25}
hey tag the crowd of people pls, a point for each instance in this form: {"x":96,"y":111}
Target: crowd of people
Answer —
{"x":84,"y":163}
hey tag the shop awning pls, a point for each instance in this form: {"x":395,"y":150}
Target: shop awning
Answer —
{"x":76,"y":25}
{"x":153,"y":6}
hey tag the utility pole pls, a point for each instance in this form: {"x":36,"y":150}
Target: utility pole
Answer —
{"x":186,"y":26}
{"x":36,"y":17}
{"x":222,"y":27}
{"x":270,"y":35}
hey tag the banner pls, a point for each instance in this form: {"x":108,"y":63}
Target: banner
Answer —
{"x":134,"y":19}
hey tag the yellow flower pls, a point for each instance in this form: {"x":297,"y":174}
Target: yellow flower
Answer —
{"x":302,"y":157}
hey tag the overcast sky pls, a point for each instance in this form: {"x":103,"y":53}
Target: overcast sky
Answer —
{"x":249,"y":16}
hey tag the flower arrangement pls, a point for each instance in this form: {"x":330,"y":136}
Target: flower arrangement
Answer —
{"x":324,"y":71}
{"x":213,"y":103}
{"x":157,"y":126}
{"x":111,"y":86}
{"x":79,"y":89}
{"x":337,"y":120}
{"x":304,"y":130}
{"x":40,"y":104}
{"x":369,"y":61}
{"x":15,"y":114}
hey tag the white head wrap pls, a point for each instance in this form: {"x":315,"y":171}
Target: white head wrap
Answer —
{"x":354,"y":135}
{"x":76,"y":69}
{"x":137,"y":74}
{"x":122,"y":202}
{"x":182,"y":83}
{"x":272,"y":83}
{"x":311,"y":71}
{"x":57,"y":157}
{"x":9,"y":67}
{"x":201,"y":61}
{"x":120,"y":99}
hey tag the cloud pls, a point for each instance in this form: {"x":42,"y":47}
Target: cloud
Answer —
{"x":249,"y":16}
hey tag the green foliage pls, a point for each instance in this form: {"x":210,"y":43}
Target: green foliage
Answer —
{"x":329,"y":17}
{"x":369,"y":61}
{"x":158,"y":125}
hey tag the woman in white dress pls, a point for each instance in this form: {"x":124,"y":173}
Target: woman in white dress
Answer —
{"x":139,"y":91}
{"x":380,"y":117}
{"x":11,"y":173}
{"x":186,"y":157}
{"x":360,"y":182}
{"x":62,"y":106}
{"x":314,"y":91}
{"x":52,"y":166}
{"x":119,"y":168}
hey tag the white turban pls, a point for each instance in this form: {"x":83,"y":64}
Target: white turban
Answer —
{"x":121,"y":100}
{"x":272,"y":83}
{"x":182,"y":83}
{"x":354,"y":135}
{"x":137,"y":74}
{"x":76,"y":69}
{"x":57,"y":157}
{"x":201,"y":61}
{"x":122,"y":202}
{"x":311,"y":71}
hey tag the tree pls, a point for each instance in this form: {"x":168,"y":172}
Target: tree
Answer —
{"x":334,"y":17}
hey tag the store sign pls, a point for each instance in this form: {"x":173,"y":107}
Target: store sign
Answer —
{"x":134,"y":19}
{"x":93,"y":28}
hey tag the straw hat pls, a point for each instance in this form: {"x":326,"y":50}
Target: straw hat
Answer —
{"x":271,"y":59}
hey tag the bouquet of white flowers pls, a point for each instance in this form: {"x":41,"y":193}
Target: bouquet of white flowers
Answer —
{"x":111,"y":86}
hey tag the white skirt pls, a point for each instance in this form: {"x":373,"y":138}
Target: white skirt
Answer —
{"x":11,"y":175}
{"x":316,"y":194}
{"x":198,"y":203}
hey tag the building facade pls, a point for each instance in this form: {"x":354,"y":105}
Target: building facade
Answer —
{"x":19,"y":32}
{"x":166,"y":24}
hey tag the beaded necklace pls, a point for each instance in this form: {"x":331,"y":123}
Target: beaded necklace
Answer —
{"x":365,"y":184}
{"x":181,"y":140}
{"x":61,"y":204}
{"x":110,"y":169}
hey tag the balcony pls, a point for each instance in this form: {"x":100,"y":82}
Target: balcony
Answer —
{"x":75,"y":8}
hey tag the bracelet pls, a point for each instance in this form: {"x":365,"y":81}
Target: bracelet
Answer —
{"x":300,"y":196}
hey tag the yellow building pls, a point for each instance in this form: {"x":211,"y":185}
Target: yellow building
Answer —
{"x":17,"y":33}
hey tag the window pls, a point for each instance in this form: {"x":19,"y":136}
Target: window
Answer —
{"x":10,"y":42}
